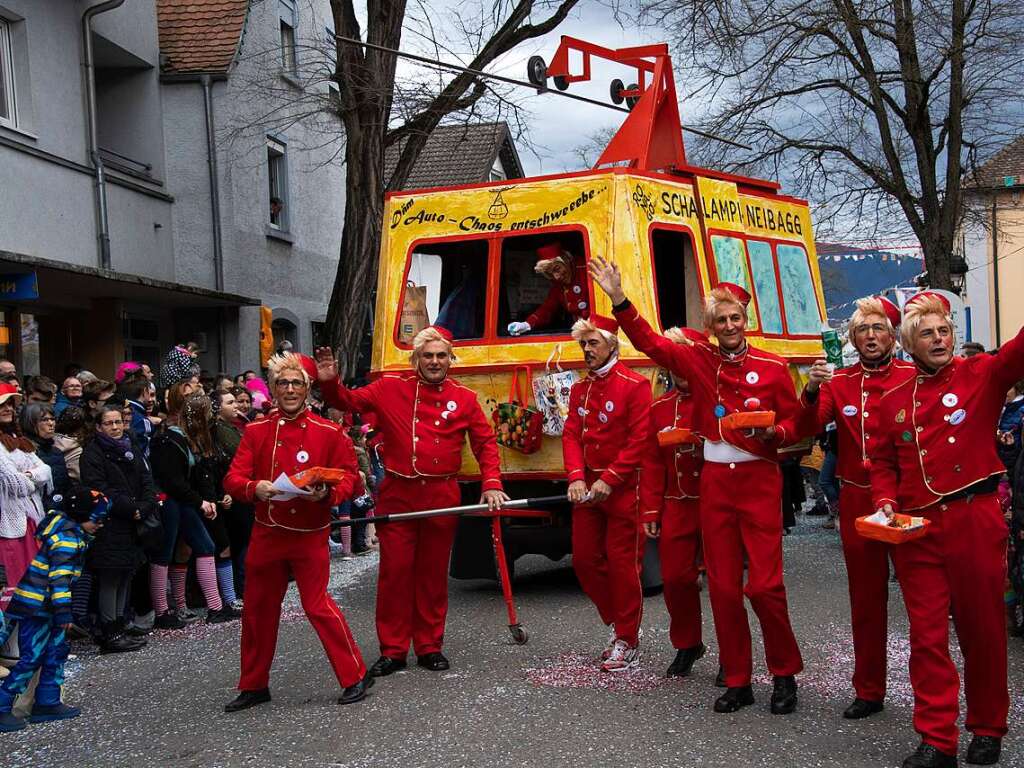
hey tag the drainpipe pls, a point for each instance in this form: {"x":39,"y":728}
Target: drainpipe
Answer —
{"x":218,"y":238}
{"x":103,"y":224}
{"x":995,"y":267}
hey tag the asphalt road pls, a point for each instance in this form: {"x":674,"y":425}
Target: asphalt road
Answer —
{"x":542,"y":704}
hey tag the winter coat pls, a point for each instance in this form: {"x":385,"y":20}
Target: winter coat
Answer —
{"x":127,"y":482}
{"x":24,"y":479}
{"x":72,"y":451}
{"x":1011,"y":420}
{"x":179,"y":473}
{"x":53,"y":457}
{"x":64,"y":402}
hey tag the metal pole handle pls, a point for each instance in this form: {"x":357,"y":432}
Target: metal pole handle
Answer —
{"x":467,"y":509}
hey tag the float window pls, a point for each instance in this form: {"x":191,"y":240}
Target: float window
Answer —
{"x":526,"y":296}
{"x":763,"y":267}
{"x":451,"y":280}
{"x":731,"y":265}
{"x":802,"y":315}
{"x":675,"y":274}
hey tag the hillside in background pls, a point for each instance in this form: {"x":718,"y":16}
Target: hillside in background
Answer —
{"x":848,"y":273}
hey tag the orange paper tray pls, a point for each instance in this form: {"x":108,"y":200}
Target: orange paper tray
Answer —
{"x":307,"y":478}
{"x":890,"y":535}
{"x":749,"y":420}
{"x":671,"y":437}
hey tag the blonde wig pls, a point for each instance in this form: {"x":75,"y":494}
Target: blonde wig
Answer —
{"x":716,"y":298}
{"x":582,"y":327}
{"x":547,"y":267}
{"x":914,"y":311}
{"x":424,"y":337}
{"x":285,"y":361}
{"x":866,"y":307}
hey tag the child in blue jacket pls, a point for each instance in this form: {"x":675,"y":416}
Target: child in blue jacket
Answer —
{"x":42,"y":606}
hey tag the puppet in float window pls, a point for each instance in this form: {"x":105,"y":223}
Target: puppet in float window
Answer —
{"x":561,"y":263}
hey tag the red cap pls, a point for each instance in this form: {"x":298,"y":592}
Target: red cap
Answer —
{"x":738,"y":291}
{"x":607,"y":324}
{"x":926,"y":295}
{"x":891,"y":310}
{"x":549,"y":251}
{"x":308,"y":365}
{"x":7,"y":391}
{"x":445,"y":333}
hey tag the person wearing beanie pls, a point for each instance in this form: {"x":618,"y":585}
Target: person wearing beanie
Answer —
{"x":670,"y":502}
{"x":740,"y":481}
{"x":936,"y":458}
{"x":568,"y":292}
{"x":290,"y":536}
{"x":851,"y":397}
{"x":603,"y":444}
{"x":42,"y":607}
{"x":424,"y":418}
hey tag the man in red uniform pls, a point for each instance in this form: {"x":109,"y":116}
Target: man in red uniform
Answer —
{"x":290,"y":536}
{"x":732,"y":377}
{"x":937,"y":459}
{"x":669,"y":492}
{"x":851,"y":397}
{"x":423,"y":418}
{"x":606,"y":434}
{"x":568,"y":276}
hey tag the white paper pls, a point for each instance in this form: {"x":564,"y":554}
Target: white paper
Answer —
{"x":287,"y":489}
{"x":878,"y":518}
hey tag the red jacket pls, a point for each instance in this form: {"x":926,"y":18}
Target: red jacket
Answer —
{"x":716,"y":380}
{"x":940,"y":429}
{"x":608,"y":428}
{"x":573,"y":298}
{"x":279,"y":444}
{"x":423,"y":426}
{"x":672,"y":472}
{"x":852,"y":399}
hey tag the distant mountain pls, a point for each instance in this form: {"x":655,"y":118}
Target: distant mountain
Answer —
{"x":860,"y":272}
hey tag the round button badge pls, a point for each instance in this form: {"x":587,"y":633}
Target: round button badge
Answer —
{"x":609,"y":406}
{"x":752,"y":403}
{"x":957,"y":416}
{"x":849,"y":410}
{"x":719,"y":411}
{"x":603,"y":418}
{"x":451,"y":405}
{"x":752,"y":377}
{"x":576,"y":289}
{"x":582,"y":305}
{"x":950,"y":400}
{"x":302,"y":457}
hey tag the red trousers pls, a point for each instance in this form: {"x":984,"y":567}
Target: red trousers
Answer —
{"x":678,"y":547}
{"x":273,"y":555}
{"x":607,"y":545}
{"x":960,"y":565}
{"x":867,"y":573}
{"x":741,"y":510}
{"x":412,"y":585}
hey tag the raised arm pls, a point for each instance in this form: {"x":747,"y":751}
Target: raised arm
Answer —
{"x":335,"y":393}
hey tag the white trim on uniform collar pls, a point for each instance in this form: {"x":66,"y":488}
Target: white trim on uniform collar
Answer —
{"x":606,"y":368}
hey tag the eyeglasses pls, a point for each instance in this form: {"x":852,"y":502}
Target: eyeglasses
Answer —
{"x":72,"y":386}
{"x":875,"y":328}
{"x":290,"y":384}
{"x":117,"y":423}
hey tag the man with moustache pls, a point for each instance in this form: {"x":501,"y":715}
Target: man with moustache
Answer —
{"x":424,"y":418}
{"x":732,"y":377}
{"x":603,"y":444}
{"x":937,"y":459}
{"x":851,"y":397}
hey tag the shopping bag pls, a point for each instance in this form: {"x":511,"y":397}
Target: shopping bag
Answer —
{"x":516,"y":425}
{"x":414,"y":316}
{"x":551,"y":393}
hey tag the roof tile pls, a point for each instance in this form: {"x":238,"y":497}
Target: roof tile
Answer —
{"x":1007,"y":162}
{"x":457,"y":154}
{"x":200,"y":35}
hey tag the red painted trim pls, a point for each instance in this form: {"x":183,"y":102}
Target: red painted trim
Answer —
{"x":755,"y":192}
{"x":654,"y":272}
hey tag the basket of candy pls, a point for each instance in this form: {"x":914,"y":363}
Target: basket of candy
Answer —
{"x":671,"y":438}
{"x":749,"y":420}
{"x":897,"y":529}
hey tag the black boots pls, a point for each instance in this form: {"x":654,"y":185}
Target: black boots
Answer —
{"x":734,"y":699}
{"x":114,"y":640}
{"x":684,"y":661}
{"x":984,"y":750}
{"x":356,"y":692}
{"x":385,"y":666}
{"x":784,"y":695}
{"x":862,"y":708}
{"x":246,"y":699}
{"x":927,"y":756}
{"x":435,"y":662}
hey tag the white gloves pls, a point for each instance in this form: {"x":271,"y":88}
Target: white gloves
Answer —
{"x":517,"y":329}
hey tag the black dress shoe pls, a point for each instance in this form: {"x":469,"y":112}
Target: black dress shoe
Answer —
{"x":862,"y":708}
{"x":246,"y":699}
{"x":734,"y":699}
{"x":784,"y":695}
{"x":984,"y":750}
{"x":357,"y":692}
{"x":385,"y":666}
{"x":685,"y":658}
{"x":720,"y":678}
{"x":435,"y":662}
{"x":927,"y":756}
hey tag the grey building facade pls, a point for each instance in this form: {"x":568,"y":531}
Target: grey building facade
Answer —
{"x":222,"y":192}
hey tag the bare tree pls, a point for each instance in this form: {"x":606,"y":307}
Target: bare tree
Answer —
{"x":377,"y":114}
{"x":873,"y":109}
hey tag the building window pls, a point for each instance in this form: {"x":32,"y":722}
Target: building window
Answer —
{"x":289,"y":23}
{"x":522,"y":291}
{"x":802,"y":315}
{"x":277,"y":173}
{"x":731,"y":266}
{"x":447,"y":284}
{"x":677,"y":284}
{"x":8,"y":105}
